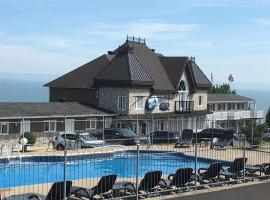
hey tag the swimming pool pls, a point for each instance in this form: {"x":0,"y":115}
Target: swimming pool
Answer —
{"x":47,"y":169}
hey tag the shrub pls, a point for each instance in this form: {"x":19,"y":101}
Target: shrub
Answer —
{"x":31,"y":138}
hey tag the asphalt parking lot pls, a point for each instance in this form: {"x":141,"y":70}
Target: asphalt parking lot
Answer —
{"x":251,"y":192}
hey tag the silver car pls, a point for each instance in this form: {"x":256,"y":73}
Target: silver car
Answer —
{"x":73,"y":140}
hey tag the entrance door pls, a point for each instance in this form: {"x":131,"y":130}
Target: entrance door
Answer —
{"x":25,"y":126}
{"x":145,"y":128}
{"x":69,"y":125}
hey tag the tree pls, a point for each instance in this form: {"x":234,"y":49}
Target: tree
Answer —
{"x":257,"y":132}
{"x":222,"y":89}
{"x":267,"y":118}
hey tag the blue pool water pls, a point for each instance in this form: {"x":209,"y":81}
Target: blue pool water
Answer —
{"x":36,"y":170}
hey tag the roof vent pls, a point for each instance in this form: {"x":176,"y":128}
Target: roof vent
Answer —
{"x":153,"y":50}
{"x":110,"y":52}
{"x":137,"y":40}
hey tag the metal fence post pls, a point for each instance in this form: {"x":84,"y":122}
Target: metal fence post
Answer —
{"x":103,"y":127}
{"x":23,"y":129}
{"x":137,"y":170}
{"x":65,"y":161}
{"x":244,"y":164}
{"x":196,"y":153}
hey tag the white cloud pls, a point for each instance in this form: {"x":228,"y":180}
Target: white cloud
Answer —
{"x":53,"y":42}
{"x":262,"y":22}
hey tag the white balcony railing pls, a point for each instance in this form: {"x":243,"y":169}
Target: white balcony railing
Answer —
{"x":235,"y":115}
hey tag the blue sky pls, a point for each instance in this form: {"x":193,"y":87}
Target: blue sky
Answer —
{"x":54,"y":37}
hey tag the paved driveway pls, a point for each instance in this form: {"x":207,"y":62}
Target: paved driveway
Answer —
{"x":252,"y":192}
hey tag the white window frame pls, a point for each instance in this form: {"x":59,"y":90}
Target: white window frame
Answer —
{"x":200,"y":100}
{"x":121,"y":103}
{"x":1,"y":128}
{"x":50,"y":130}
{"x":139,"y":102}
{"x":120,"y":124}
{"x":89,"y":124}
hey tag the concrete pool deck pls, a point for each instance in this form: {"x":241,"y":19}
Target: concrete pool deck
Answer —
{"x":254,"y":156}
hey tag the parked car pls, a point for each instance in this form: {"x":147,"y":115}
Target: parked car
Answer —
{"x":158,"y":137}
{"x":209,"y":133}
{"x":266,"y":134}
{"x":73,"y":140}
{"x":121,"y":136}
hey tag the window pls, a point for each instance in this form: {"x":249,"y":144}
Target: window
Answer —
{"x":50,"y":126}
{"x":221,"y":106}
{"x":238,"y":106}
{"x":121,"y":103}
{"x":4,"y":128}
{"x":211,"y":107}
{"x":139,"y":102}
{"x":229,"y":106}
{"x":200,"y":100}
{"x":91,"y":124}
{"x":120,"y":125}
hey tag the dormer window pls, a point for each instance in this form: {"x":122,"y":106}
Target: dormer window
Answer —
{"x":183,"y":91}
{"x":182,"y":86}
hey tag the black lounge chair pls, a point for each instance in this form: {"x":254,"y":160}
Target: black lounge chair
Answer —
{"x":262,"y":169}
{"x":209,"y":175}
{"x":179,"y":180}
{"x":148,"y":185}
{"x":186,"y":139}
{"x":103,"y":188}
{"x":56,"y":193}
{"x":235,"y":170}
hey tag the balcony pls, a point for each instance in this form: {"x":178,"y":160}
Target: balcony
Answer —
{"x":236,"y":115}
{"x":184,"y":106}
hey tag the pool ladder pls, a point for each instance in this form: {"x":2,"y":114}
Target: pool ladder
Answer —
{"x":17,"y":150}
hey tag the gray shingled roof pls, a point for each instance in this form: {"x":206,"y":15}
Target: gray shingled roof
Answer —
{"x":138,"y":66}
{"x":84,"y":76}
{"x":124,"y":68}
{"x":49,"y":109}
{"x":200,"y":78}
{"x":152,"y":64}
{"x":174,"y":66}
{"x":227,"y":98}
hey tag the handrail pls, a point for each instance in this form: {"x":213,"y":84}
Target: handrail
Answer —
{"x":2,"y":146}
{"x":18,"y":152}
{"x":184,"y":106}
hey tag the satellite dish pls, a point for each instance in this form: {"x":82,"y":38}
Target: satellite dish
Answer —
{"x":151,"y":103}
{"x":23,"y":141}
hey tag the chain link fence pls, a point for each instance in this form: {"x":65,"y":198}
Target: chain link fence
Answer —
{"x":124,"y":158}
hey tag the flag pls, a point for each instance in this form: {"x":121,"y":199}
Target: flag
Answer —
{"x":212,"y":78}
{"x":230,"y":78}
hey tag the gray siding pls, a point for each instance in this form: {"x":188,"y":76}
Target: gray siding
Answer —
{"x":74,"y":95}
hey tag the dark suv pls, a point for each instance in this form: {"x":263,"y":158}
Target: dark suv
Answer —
{"x":122,"y":136}
{"x":210,"y":133}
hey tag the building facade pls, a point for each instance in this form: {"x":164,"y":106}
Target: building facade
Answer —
{"x":232,"y":111}
{"x":135,"y":82}
{"x":51,"y":117}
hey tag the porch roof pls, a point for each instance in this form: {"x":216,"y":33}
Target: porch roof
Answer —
{"x":19,"y":110}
